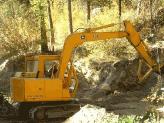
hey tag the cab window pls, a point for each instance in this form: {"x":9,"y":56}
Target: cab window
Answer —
{"x":32,"y":66}
{"x":50,"y":68}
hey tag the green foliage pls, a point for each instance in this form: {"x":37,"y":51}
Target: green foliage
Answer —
{"x":149,"y":117}
{"x":126,"y":119}
{"x":20,"y":22}
{"x":18,"y":31}
{"x":27,"y":2}
{"x":39,"y":7}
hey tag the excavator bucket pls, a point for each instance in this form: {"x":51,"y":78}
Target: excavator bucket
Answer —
{"x":159,"y":69}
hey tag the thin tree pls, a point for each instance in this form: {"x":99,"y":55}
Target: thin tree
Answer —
{"x":52,"y":39}
{"x":120,"y":10}
{"x":70,"y":16}
{"x":88,"y":10}
{"x":44,"y":46}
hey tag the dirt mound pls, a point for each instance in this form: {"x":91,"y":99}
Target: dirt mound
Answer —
{"x":93,"y":114}
{"x":108,"y":77}
{"x":116,"y":86}
{"x":119,"y":76}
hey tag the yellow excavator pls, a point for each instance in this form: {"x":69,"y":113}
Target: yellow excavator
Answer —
{"x":48,"y":87}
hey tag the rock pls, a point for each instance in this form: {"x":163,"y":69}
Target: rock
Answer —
{"x":105,"y":86}
{"x":93,"y":114}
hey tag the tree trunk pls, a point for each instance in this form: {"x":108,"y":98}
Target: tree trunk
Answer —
{"x":151,"y":15}
{"x":44,"y":46}
{"x":120,"y":10}
{"x":151,"y":10}
{"x":70,"y":16}
{"x":52,"y":40}
{"x":88,"y":10}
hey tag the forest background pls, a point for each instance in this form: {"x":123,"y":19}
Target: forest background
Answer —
{"x":41,"y":25}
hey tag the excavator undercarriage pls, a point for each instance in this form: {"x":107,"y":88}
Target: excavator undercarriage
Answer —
{"x":37,"y":111}
{"x":44,"y":111}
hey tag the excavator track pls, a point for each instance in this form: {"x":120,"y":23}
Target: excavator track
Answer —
{"x":37,"y":112}
{"x":48,"y":111}
{"x":54,"y":112}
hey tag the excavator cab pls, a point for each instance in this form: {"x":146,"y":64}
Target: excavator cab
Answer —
{"x":40,"y":80}
{"x":43,"y":66}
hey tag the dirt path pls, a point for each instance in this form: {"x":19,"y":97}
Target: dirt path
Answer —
{"x":126,"y":103}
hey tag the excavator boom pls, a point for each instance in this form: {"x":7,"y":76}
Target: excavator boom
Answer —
{"x":76,"y":39}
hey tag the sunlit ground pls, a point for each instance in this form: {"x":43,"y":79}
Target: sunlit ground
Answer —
{"x":94,"y":114}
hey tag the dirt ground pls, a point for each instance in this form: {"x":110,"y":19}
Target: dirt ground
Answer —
{"x":139,"y":102}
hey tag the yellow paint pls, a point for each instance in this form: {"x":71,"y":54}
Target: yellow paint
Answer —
{"x":27,"y":89}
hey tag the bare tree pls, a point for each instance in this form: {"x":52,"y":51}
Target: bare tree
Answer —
{"x":88,"y":9}
{"x":70,"y":16}
{"x":52,"y":39}
{"x":44,"y":46}
{"x":120,"y":9}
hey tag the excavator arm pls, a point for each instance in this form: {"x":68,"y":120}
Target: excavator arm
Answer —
{"x":76,"y":39}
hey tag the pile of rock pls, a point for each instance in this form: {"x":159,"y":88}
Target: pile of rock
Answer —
{"x":93,"y":114}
